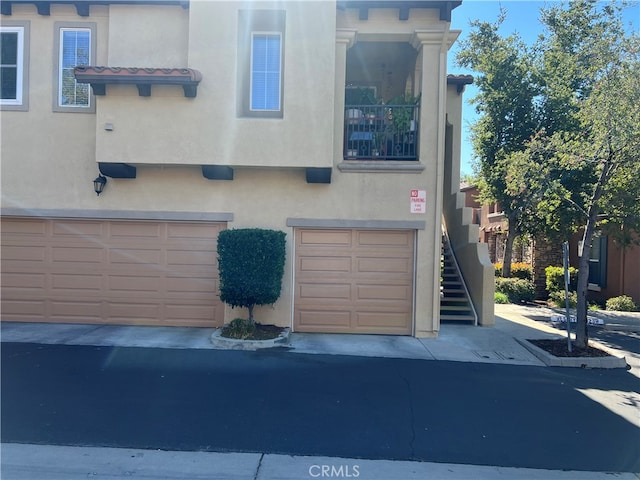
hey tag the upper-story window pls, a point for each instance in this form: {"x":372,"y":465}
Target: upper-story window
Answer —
{"x":14,"y":39}
{"x":266,"y":71}
{"x":75,"y":47}
{"x":261,"y":42}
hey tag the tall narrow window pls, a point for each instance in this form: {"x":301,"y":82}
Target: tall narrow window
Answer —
{"x":265,"y":71}
{"x":261,"y":63}
{"x":75,"y":45}
{"x":11,"y":65}
{"x":75,"y":50}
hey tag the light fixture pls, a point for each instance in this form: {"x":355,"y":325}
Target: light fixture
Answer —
{"x":99,"y":183}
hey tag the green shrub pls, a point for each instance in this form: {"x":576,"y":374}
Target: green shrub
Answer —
{"x":500,"y":297}
{"x":239,"y":328}
{"x":556,"y":298}
{"x":517,"y":290}
{"x":518,"y":270}
{"x":555,"y":279}
{"x":623,"y":303}
{"x":251,"y":264}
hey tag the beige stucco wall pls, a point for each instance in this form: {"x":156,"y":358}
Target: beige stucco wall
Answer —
{"x":48,"y":157}
{"x":472,"y":256}
{"x":207,"y":130}
{"x":168,"y":136}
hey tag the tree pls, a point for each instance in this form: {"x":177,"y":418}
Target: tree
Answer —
{"x":578,"y":167}
{"x":591,"y":143}
{"x":509,"y":115}
{"x":251,"y":265}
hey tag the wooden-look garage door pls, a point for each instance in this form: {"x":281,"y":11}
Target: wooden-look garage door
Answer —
{"x":115,"y":272}
{"x":354,"y":281}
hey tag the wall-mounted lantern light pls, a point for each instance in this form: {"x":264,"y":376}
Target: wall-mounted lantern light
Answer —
{"x":99,"y":183}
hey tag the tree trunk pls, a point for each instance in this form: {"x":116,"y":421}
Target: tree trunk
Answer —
{"x":508,"y":252}
{"x":582,"y":331}
{"x":250,"y":308}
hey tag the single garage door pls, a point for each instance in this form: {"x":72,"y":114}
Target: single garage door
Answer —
{"x":354,"y":281}
{"x":110,"y":272}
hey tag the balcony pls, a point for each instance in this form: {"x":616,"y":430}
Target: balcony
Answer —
{"x":381,"y":132}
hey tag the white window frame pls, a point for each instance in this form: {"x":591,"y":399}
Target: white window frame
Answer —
{"x":21,"y":28}
{"x":60,"y":29}
{"x":251,"y":70}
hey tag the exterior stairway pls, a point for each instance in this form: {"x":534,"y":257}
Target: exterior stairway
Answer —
{"x":455,"y":304}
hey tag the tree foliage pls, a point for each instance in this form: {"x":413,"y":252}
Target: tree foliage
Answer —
{"x":565,"y":154}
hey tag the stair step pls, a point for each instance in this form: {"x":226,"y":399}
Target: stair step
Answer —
{"x":461,"y":308}
{"x":459,"y":318}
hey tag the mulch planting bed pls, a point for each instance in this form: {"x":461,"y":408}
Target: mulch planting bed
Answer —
{"x":558,"y":348}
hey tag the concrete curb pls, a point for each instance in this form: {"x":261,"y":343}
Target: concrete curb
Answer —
{"x":234,"y":344}
{"x":574,"y":362}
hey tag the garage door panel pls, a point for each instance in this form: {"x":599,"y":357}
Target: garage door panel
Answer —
{"x":190,"y":258}
{"x":134,"y":312}
{"x":129,"y":256}
{"x":358,"y":281}
{"x":61,"y":309}
{"x":129,"y":231}
{"x":311,"y":265}
{"x":24,"y":253}
{"x":387,"y":238}
{"x":26,"y":308}
{"x":204,"y":232}
{"x":387,"y":322}
{"x":100,"y":271}
{"x":16,"y":282}
{"x":64,"y":283}
{"x":192,"y":285}
{"x":76,"y":254}
{"x":384,"y":265}
{"x":80,"y":231}
{"x":332,"y":238}
{"x":383,"y":293}
{"x":318,"y":320}
{"x":325,"y":291}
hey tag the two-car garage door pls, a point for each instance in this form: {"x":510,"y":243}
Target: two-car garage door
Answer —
{"x":165,"y":273}
{"x":110,"y":271}
{"x":354,"y":281}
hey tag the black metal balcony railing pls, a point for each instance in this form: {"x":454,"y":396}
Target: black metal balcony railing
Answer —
{"x":381,"y":132}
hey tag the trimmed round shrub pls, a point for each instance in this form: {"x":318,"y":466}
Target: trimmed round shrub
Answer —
{"x":500,"y":297}
{"x":517,"y":290}
{"x":251,"y":264}
{"x":623,"y":303}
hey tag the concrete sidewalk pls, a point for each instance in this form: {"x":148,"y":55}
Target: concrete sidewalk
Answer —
{"x":43,"y":462}
{"x":455,"y":342}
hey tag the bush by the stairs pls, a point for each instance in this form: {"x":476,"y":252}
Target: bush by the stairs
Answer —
{"x":517,"y":290}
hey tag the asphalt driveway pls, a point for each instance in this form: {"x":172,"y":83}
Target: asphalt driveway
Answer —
{"x":330,"y":405}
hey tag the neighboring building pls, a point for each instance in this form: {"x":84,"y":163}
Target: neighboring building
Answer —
{"x":613,"y":271}
{"x":208,"y":115}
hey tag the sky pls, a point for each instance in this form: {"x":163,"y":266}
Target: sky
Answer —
{"x":522,"y":17}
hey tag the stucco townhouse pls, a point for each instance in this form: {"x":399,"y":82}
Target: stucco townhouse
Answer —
{"x":334,"y":121}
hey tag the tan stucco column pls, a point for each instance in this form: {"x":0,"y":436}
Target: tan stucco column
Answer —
{"x":345,"y":38}
{"x":431,"y":79}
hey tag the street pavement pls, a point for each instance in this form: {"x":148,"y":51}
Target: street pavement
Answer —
{"x":79,"y":410}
